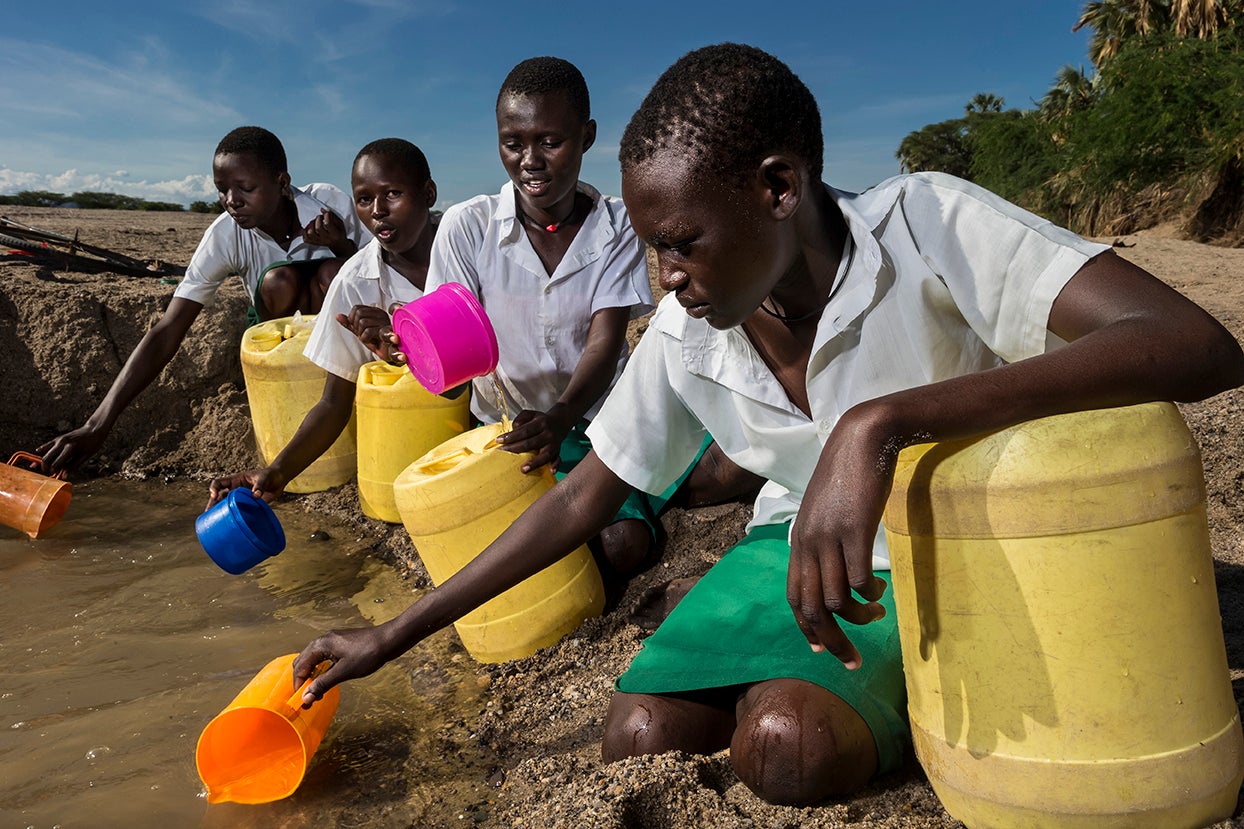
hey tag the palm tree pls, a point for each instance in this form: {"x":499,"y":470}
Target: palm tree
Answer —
{"x":1113,"y":21}
{"x":1072,"y":91}
{"x":984,"y":102}
{"x":1203,"y":18}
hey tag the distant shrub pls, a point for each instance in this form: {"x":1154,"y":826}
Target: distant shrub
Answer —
{"x":117,"y":201}
{"x":206,"y":207}
{"x":35,"y":198}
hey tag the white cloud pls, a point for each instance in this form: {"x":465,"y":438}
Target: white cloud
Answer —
{"x":183,"y":190}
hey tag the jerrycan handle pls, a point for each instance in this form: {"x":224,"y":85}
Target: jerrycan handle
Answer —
{"x":294,"y":703}
{"x":36,"y":460}
{"x":447,"y":460}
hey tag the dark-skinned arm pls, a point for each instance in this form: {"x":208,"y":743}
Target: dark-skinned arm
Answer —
{"x":1131,"y":339}
{"x":543,"y":432}
{"x":321,"y":426}
{"x":555,"y":525}
{"x":150,"y":356}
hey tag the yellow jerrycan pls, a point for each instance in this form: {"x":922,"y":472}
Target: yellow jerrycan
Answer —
{"x":1063,"y":651}
{"x":398,"y":422}
{"x":282,"y":386}
{"x":454,"y":502}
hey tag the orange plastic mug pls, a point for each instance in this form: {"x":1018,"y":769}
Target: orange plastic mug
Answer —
{"x":30,"y":501}
{"x":258,"y":749}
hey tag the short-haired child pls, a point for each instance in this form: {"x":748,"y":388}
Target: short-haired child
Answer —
{"x":285,"y":244}
{"x":560,"y":272}
{"x":814,"y":333}
{"x":393,"y":195}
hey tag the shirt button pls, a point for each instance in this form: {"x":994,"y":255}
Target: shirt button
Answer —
{"x":824,"y":427}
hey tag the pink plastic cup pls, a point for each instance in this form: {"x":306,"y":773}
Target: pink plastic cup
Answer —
{"x":446,"y":337}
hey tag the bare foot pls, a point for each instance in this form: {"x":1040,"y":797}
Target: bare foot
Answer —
{"x":656,"y":603}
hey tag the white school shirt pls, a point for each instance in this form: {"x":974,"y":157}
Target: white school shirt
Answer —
{"x":541,"y":321}
{"x":944,"y":279}
{"x":226,"y":248}
{"x":364,"y":279}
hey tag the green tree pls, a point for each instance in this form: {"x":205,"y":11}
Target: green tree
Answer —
{"x":1073,"y":91}
{"x":982,"y":103}
{"x":1014,"y":155}
{"x":942,"y":146}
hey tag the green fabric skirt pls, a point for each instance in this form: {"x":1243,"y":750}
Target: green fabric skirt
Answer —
{"x":735,"y":627}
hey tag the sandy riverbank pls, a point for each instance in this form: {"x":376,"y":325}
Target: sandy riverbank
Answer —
{"x":64,"y":335}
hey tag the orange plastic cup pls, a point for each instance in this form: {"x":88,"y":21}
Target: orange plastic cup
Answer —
{"x":29,"y":501}
{"x":258,"y":749}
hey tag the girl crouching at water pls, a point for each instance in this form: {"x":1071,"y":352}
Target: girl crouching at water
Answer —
{"x":814,"y":333}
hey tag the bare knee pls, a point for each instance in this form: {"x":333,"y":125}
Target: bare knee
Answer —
{"x":655,"y":723}
{"x":280,"y":292}
{"x":626,"y":546}
{"x":797,"y":744}
{"x":320,"y":280}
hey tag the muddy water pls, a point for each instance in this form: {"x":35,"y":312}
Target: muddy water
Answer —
{"x":120,"y":640}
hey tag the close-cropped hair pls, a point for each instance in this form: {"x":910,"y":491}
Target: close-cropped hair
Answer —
{"x":257,"y":142}
{"x":726,"y":108}
{"x":547,"y":75}
{"x":401,"y":152}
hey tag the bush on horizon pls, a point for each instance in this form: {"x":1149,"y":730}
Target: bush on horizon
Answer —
{"x":88,"y":200}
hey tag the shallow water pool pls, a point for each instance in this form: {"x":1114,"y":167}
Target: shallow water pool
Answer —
{"x":120,"y":640}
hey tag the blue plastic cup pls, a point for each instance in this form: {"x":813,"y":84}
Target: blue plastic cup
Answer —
{"x":240,"y":531}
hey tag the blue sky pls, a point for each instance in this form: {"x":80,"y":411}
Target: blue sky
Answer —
{"x":133,"y":97}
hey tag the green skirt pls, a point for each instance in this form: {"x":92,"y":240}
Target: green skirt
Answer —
{"x":735,"y":628}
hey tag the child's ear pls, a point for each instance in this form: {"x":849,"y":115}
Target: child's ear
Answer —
{"x":783,"y":186}
{"x":589,"y":134}
{"x":282,"y":179}
{"x":430,"y":192}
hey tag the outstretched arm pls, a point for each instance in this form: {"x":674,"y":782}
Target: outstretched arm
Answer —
{"x":562,"y":519}
{"x":543,"y":432}
{"x":1131,"y":339}
{"x":145,"y":363}
{"x":321,"y":426}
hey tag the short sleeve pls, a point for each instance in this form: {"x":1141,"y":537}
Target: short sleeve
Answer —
{"x":331,"y":345}
{"x":625,"y":271}
{"x":644,"y":433}
{"x":214,"y":259}
{"x":455,"y":250}
{"x":1003,"y":265}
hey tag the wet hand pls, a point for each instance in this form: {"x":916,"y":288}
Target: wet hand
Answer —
{"x":351,"y":654}
{"x":69,"y":450}
{"x":326,"y":229}
{"x":832,"y":540}
{"x":264,"y":483}
{"x":374,"y":329}
{"x":538,"y":432}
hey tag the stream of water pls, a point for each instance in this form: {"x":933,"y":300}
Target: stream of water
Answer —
{"x":120,"y":640}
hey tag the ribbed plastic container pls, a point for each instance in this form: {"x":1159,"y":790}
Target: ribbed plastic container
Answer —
{"x":398,"y":422}
{"x":282,"y":386}
{"x":258,"y":748}
{"x":1061,"y":638}
{"x":454,"y":502}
